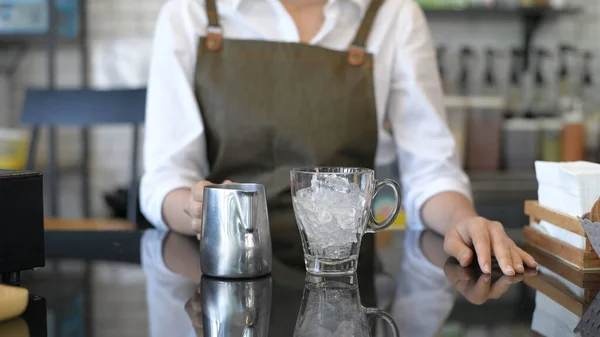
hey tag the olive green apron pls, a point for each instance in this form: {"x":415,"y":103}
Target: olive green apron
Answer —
{"x":269,"y":107}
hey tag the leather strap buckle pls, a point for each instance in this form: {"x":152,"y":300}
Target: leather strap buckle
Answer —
{"x":356,"y":55}
{"x":214,"y":38}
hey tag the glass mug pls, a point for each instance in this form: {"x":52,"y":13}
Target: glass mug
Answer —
{"x":333,"y":208}
{"x":332,"y":307}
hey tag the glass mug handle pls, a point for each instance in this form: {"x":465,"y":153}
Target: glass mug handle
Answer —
{"x":374,"y":225}
{"x":374,"y":312}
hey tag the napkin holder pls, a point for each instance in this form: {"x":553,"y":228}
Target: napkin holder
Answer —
{"x":585,"y":259}
{"x":21,"y":224}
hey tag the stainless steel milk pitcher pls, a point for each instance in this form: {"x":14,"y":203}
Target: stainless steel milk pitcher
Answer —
{"x":235,"y":241}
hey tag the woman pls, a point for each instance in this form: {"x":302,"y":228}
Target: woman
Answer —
{"x":245,"y":90}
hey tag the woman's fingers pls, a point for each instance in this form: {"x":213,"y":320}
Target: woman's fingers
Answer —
{"x":194,"y":207}
{"x":481,"y":241}
{"x":198,"y":190}
{"x":516,"y":259}
{"x":501,"y":244}
{"x":197,"y":225}
{"x":528,"y":259}
{"x":455,"y":247}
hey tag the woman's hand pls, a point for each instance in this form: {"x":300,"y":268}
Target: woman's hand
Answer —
{"x":487,"y":237}
{"x":194,"y":206}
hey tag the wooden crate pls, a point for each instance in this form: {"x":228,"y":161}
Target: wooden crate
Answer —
{"x":582,"y":279}
{"x":585,"y":259}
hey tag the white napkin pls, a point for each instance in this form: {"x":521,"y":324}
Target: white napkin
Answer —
{"x":560,"y":234}
{"x":571,"y":188}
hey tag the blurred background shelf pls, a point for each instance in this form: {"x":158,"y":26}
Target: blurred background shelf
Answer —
{"x":500,"y":195}
{"x":499,"y":11}
{"x":531,"y":18}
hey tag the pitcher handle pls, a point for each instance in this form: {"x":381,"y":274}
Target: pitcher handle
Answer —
{"x":374,"y":225}
{"x":386,"y":317}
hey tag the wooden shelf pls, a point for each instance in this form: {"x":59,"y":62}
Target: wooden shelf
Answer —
{"x":35,"y":39}
{"x":503,"y":11}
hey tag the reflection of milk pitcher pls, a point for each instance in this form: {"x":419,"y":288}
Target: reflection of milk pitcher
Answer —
{"x":332,"y":307}
{"x":235,"y":308}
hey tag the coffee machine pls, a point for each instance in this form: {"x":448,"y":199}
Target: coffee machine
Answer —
{"x":21,"y":224}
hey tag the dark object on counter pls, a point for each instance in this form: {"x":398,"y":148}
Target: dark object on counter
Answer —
{"x":118,"y":199}
{"x":35,"y":316}
{"x":22,"y":225}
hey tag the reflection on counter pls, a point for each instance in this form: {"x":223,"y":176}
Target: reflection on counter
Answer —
{"x":564,"y":297}
{"x":331,"y":307}
{"x":233,"y":307}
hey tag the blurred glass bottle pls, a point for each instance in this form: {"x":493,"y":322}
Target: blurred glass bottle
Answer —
{"x":464,"y":76}
{"x":540,"y":101}
{"x":551,"y":144}
{"x":565,"y":93}
{"x":514,"y":97}
{"x":591,"y":109}
{"x":490,"y":81}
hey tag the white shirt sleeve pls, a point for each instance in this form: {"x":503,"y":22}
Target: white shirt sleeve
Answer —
{"x":174,"y":148}
{"x":427,"y":155}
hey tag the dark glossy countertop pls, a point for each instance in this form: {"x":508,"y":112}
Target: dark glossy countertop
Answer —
{"x":148,"y":284}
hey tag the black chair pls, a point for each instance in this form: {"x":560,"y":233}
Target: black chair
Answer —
{"x":86,"y":109}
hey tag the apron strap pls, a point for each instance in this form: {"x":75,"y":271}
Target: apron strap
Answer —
{"x":357,"y":51}
{"x":214,"y":33}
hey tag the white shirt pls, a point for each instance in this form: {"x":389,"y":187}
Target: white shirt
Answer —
{"x":407,"y":90}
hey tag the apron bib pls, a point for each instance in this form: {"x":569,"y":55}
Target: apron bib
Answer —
{"x":269,"y":107}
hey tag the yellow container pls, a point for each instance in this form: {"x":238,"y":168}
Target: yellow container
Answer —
{"x":14,"y":144}
{"x":383,"y":209}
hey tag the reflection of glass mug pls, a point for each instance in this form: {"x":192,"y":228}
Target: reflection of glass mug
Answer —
{"x":333,"y":208}
{"x":332,"y":308}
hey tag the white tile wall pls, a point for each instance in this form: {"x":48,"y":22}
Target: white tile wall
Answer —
{"x":115,"y":23}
